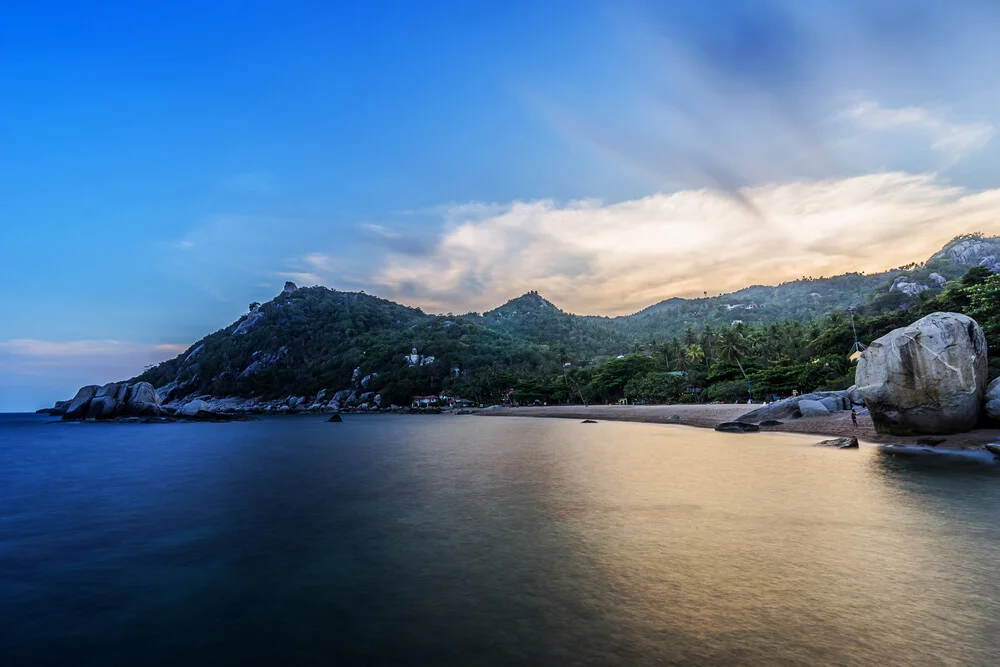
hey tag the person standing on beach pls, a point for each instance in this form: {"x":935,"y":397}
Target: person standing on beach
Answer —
{"x":854,"y":417}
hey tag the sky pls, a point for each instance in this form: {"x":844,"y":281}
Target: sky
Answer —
{"x":163,"y":164}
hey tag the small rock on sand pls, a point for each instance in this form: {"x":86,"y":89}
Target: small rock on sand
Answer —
{"x":737,"y":427}
{"x":849,"y":442}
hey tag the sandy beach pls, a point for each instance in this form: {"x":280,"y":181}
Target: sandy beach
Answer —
{"x":708,"y":416}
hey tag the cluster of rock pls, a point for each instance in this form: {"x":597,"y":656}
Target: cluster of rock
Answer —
{"x":416,"y":359}
{"x":817,"y":404}
{"x":121,"y":401}
{"x":115,"y":399}
{"x":974,"y":251}
{"x":924,"y":379}
{"x":908,"y":287}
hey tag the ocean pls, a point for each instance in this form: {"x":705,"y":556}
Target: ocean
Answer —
{"x":460,"y":540}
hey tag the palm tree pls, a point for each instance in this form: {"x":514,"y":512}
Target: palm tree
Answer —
{"x":673,"y":353}
{"x":694,"y":354}
{"x":733,"y":346}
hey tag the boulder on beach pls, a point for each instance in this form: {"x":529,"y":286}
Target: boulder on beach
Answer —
{"x":854,"y":396}
{"x":848,"y":442}
{"x":927,"y":378}
{"x":588,"y":421}
{"x":737,"y":427}
{"x":835,"y":403}
{"x":813,"y":409}
{"x":788,"y":408}
{"x":770,"y":422}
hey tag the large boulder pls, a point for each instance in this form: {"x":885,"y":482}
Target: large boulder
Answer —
{"x":192,"y":408}
{"x":142,"y":400}
{"x":992,"y":399}
{"x":784,"y":409}
{"x":77,"y":408}
{"x":833,"y":403}
{"x":813,"y":409}
{"x":106,"y":403}
{"x":854,"y":396}
{"x":927,"y":378}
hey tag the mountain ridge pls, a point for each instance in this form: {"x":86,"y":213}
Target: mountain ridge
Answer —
{"x":311,"y":339}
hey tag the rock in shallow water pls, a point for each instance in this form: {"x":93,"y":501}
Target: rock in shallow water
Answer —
{"x":848,"y":442}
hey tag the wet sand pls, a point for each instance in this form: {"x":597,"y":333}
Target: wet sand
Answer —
{"x":708,"y":416}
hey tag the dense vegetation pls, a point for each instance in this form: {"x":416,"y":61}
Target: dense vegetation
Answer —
{"x":796,"y":336}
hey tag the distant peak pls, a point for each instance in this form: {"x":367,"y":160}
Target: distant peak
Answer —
{"x":532,"y":296}
{"x":289,"y":287}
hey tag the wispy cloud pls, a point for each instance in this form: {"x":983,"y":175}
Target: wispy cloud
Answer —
{"x":616,"y":258}
{"x":952,"y":139}
{"x":741,"y":97}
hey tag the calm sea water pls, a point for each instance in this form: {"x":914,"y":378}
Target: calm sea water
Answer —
{"x":471,"y":541}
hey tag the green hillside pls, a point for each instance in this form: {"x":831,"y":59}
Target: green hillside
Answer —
{"x":312,"y":339}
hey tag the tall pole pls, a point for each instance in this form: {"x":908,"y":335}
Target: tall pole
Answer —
{"x":857,"y":344}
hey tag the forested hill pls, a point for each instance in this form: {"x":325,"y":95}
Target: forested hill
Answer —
{"x":309,"y":339}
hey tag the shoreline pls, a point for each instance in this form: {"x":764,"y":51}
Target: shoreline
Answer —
{"x":836,"y":425}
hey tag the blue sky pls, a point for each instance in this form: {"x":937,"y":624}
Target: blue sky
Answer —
{"x":164,"y":164}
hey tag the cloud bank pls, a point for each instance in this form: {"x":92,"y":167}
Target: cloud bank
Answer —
{"x":591,"y":257}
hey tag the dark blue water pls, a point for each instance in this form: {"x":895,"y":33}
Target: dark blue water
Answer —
{"x":474,"y":541}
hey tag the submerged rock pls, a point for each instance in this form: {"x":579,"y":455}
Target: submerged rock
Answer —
{"x":737,"y":427}
{"x":335,"y":417}
{"x":588,"y":421}
{"x":927,"y":378}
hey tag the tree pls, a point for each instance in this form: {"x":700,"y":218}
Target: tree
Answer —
{"x":694,"y":354}
{"x":733,"y":347}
